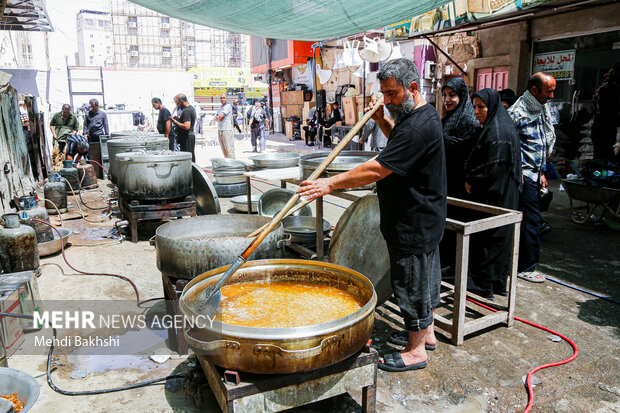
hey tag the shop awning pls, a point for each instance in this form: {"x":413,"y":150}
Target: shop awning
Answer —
{"x":292,"y":19}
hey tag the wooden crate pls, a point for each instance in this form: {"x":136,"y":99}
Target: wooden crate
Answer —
{"x":292,"y":110}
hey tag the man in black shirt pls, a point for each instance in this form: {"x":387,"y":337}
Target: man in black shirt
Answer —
{"x":164,"y":123}
{"x":411,"y":186}
{"x":185,"y":125}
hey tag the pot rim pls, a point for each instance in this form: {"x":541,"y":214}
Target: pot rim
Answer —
{"x":290,"y":333}
{"x":162,"y":228}
{"x":140,"y":157}
{"x":129,"y":142}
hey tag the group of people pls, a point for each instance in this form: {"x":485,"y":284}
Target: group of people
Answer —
{"x":315,"y":120}
{"x":64,"y":127}
{"x":497,"y":148}
{"x":179,"y":129}
{"x":479,"y":151}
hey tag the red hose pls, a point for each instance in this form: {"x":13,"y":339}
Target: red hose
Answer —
{"x":530,"y":390}
{"x":101,"y":166}
{"x":62,"y":244}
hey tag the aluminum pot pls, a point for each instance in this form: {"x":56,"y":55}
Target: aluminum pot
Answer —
{"x":229,"y":177}
{"x":189,"y":247}
{"x":132,"y":143}
{"x":303,"y":229}
{"x":344,"y":162}
{"x":240,"y":203}
{"x":154,"y":175}
{"x":276,"y":160}
{"x":282,"y":350}
{"x":273,"y":200}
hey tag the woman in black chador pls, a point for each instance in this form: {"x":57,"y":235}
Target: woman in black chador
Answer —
{"x":493,"y":177}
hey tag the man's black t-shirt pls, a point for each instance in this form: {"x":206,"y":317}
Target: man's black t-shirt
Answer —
{"x":188,"y":114}
{"x":164,"y":115}
{"x":413,"y":198}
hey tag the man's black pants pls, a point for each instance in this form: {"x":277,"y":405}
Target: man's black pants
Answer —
{"x":529,"y":244}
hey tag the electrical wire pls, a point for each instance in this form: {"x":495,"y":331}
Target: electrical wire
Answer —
{"x":122,"y":277}
{"x":50,"y":382}
{"x":582,"y":290}
{"x":528,"y":379}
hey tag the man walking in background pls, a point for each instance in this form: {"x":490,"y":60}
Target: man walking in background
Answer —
{"x":63,"y":124}
{"x":185,"y":125}
{"x":95,"y":122}
{"x":225,"y":135}
{"x":533,"y":122}
{"x":164,"y":122}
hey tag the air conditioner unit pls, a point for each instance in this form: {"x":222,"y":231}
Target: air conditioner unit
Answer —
{"x":132,"y":25}
{"x":133,"y":53}
{"x":165,"y":25}
{"x":166,"y":54}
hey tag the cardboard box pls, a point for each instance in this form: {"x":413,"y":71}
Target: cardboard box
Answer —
{"x":10,"y":327}
{"x":292,"y":97}
{"x":289,"y":129}
{"x":292,"y":110}
{"x":349,"y":106}
{"x":359,"y":102}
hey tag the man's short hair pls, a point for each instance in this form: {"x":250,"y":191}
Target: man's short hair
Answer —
{"x":538,"y":80}
{"x":82,"y":145}
{"x":156,"y":100}
{"x":403,"y":70}
{"x":182,"y":97}
{"x":66,"y":106}
{"x":95,"y":101}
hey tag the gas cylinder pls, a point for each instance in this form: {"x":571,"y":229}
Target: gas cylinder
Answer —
{"x":18,"y":246}
{"x":55,"y":191}
{"x":71,"y":175}
{"x":87,"y":175}
{"x":29,"y":210}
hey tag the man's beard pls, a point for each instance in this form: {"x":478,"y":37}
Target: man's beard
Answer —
{"x":400,"y":112}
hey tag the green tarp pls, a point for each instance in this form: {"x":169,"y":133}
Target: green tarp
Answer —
{"x":293,"y":19}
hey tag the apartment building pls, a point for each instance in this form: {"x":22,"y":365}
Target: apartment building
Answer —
{"x":94,"y":32}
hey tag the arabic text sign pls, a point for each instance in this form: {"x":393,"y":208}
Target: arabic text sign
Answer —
{"x":560,"y":64}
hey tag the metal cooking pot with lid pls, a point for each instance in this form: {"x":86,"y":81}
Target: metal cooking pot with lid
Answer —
{"x":189,"y":247}
{"x":282,"y":350}
{"x":133,"y":143}
{"x":154,"y":175}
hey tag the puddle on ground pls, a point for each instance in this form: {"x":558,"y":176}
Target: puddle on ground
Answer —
{"x":94,"y":233}
{"x":137,"y":346}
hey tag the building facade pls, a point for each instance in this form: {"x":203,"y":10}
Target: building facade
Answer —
{"x":143,"y":38}
{"x":94,"y":32}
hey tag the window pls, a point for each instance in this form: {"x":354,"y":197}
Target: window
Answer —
{"x":101,"y":23}
{"x":89,"y":22}
{"x":133,"y":51}
{"x":91,"y":36}
{"x":165,"y":20}
{"x":166,"y":52}
{"x":191,"y":50}
{"x":132,"y":22}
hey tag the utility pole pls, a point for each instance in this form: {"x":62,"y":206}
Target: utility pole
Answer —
{"x":270,"y":80}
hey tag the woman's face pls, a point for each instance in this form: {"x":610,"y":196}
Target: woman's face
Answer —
{"x":480,"y":110}
{"x":450,"y":99}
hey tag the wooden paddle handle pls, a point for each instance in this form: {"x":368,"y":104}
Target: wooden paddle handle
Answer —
{"x":317,"y":172}
{"x":291,"y":212}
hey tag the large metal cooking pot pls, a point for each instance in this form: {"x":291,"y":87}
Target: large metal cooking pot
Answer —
{"x":154,"y":175}
{"x":344,"y":162}
{"x":283,"y":350}
{"x":229,"y":177}
{"x":189,"y":247}
{"x":133,"y":143}
{"x":276,"y":160}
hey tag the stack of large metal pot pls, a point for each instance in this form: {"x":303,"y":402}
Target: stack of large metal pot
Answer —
{"x":229,"y":178}
{"x":132,"y":143}
{"x":154,"y":175}
{"x":344,"y":162}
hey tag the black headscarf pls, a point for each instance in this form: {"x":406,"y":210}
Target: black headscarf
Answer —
{"x":494,"y":165}
{"x":461,"y":119}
